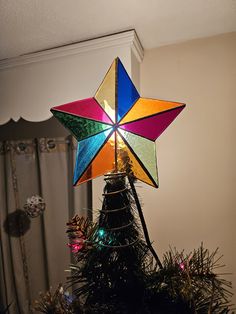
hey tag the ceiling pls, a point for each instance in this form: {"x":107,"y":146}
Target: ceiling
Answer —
{"x":31,"y":25}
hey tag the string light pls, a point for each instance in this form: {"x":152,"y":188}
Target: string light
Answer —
{"x":101,"y":233}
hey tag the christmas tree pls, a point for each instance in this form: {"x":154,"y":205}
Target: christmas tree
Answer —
{"x":116,"y":272}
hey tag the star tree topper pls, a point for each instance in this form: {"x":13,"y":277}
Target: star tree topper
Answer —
{"x":116,"y":129}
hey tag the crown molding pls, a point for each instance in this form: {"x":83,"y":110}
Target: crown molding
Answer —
{"x":125,"y":38}
{"x":137,"y":47}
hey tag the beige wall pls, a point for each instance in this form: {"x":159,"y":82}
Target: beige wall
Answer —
{"x":196,"y":154}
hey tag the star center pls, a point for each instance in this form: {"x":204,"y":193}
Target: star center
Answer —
{"x":115,"y":126}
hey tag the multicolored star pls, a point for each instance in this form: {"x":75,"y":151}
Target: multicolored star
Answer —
{"x":116,"y":129}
